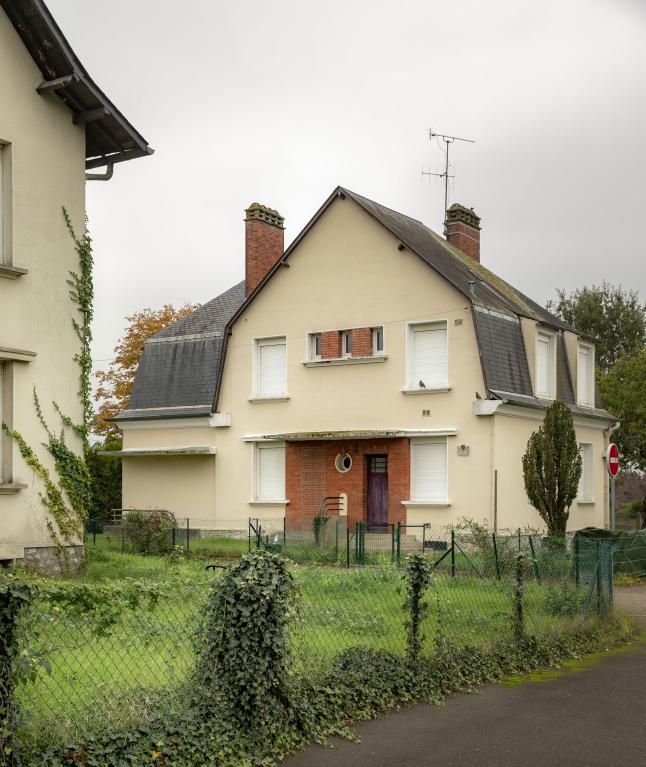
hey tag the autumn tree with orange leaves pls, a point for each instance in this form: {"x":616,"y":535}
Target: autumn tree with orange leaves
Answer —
{"x":115,"y":383}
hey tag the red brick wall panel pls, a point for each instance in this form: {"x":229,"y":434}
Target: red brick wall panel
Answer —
{"x":330,"y":345}
{"x":362,"y":342}
{"x":311,"y":475}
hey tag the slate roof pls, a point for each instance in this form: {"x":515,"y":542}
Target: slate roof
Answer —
{"x":179,"y":366}
{"x":182,"y":365}
{"x":109,"y":137}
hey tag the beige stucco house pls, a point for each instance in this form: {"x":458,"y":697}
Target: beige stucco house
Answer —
{"x":374,"y":362}
{"x":55,"y":123}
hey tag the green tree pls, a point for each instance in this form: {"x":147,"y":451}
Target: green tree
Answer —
{"x":552,"y":468}
{"x":613,"y":315}
{"x":105,"y":472}
{"x":624,"y":394}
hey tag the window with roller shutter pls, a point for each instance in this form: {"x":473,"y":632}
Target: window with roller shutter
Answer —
{"x":429,"y":470}
{"x":271,"y":367}
{"x":269,"y":475}
{"x":428,"y":356}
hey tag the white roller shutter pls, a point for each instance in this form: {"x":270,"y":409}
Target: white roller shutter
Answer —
{"x":583,"y":375}
{"x":272,"y":367}
{"x":270,"y":482}
{"x":429,"y":356}
{"x":429,"y":479}
{"x":543,"y":366}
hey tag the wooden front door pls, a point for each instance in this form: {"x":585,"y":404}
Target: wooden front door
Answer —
{"x":377,"y":516}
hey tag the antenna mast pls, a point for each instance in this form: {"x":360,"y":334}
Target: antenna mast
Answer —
{"x":448,"y":140}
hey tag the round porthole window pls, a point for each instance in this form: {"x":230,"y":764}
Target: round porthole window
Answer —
{"x":343,"y":462}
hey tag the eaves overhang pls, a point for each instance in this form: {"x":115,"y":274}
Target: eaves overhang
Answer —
{"x":345,"y":434}
{"x":110,"y":137}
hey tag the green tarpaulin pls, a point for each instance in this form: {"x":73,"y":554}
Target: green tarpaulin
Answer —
{"x":630,"y":548}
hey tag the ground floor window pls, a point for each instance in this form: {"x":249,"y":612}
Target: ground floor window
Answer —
{"x":586,"y":492}
{"x":429,"y":470}
{"x":269,"y":471}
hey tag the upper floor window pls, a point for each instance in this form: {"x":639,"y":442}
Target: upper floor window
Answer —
{"x":315,"y":346}
{"x":429,"y":470}
{"x":586,"y":487}
{"x":4,"y":200}
{"x":2,"y":420}
{"x":428,"y":356}
{"x":585,"y":375}
{"x":377,"y":340}
{"x":546,"y":366}
{"x":269,"y":473}
{"x":271,"y":367}
{"x":346,"y":343}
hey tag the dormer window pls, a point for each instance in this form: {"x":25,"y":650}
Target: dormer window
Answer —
{"x":546,"y":366}
{"x":585,"y":375}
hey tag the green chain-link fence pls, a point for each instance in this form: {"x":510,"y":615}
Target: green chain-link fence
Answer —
{"x":102,"y":657}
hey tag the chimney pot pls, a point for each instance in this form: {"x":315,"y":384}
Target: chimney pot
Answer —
{"x":463,"y":230}
{"x":264,"y":243}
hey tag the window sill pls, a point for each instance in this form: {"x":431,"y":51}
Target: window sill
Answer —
{"x":345,"y":361}
{"x":585,"y":501}
{"x":258,"y":400}
{"x":9,"y":488}
{"x":12,"y":272}
{"x":437,"y":504}
{"x":427,"y":390}
{"x":586,"y":405}
{"x":284,"y":502}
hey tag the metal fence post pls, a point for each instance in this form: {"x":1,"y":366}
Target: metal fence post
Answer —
{"x":452,"y":553}
{"x":399,"y":542}
{"x":347,"y":546}
{"x":611,"y":574}
{"x":188,"y":531}
{"x":284,"y":531}
{"x":576,"y":560}
{"x":534,"y":560}
{"x":423,"y":537}
{"x":519,"y":616}
{"x":519,"y":540}
{"x":597,"y":549}
{"x":392,"y":543}
{"x":336,"y":541}
{"x":495,"y":553}
{"x":249,"y":534}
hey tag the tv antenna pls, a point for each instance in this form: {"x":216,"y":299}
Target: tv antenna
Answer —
{"x":448,"y":140}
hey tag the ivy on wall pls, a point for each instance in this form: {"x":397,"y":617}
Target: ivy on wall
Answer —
{"x":69,"y":498}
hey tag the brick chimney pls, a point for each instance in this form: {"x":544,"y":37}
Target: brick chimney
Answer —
{"x":463,"y":230}
{"x":264,"y":243}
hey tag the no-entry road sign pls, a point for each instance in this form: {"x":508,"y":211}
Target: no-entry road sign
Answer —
{"x":613,"y":459}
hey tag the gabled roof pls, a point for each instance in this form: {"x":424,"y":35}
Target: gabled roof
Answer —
{"x":110,"y":138}
{"x":189,"y":367}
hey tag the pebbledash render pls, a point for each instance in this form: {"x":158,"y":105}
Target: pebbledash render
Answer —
{"x":374,"y":363}
{"x":55,"y":124}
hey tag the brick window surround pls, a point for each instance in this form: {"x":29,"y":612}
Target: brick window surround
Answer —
{"x":310,"y":476}
{"x":361,"y":343}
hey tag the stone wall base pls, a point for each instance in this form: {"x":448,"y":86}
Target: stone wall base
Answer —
{"x":47,"y":560}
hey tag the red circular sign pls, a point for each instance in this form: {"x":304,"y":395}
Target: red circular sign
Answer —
{"x":613,"y":459}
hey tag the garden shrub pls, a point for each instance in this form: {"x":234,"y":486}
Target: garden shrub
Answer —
{"x":244,"y":652}
{"x":148,"y":532}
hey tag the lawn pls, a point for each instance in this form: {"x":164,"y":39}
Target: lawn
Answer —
{"x":108,"y":682}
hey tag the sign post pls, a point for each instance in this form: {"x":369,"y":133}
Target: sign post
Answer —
{"x":613,"y":470}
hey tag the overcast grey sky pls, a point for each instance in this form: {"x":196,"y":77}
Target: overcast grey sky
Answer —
{"x":280,"y":102}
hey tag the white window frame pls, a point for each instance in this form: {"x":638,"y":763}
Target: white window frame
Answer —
{"x":346,"y":343}
{"x":412,"y":381}
{"x":439,"y":501}
{"x":5,"y":203}
{"x":376,"y":352}
{"x":257,"y":496}
{"x":258,"y":343}
{"x":590,"y":382}
{"x":551,"y":361}
{"x":312,"y":339}
{"x":3,"y":415}
{"x":585,"y":493}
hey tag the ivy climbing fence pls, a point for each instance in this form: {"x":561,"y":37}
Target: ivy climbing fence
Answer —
{"x":88,"y":658}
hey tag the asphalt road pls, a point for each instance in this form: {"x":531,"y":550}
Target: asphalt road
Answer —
{"x":594,"y":717}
